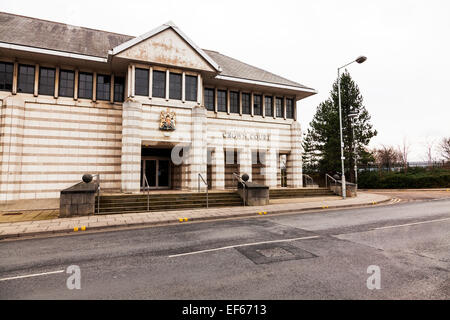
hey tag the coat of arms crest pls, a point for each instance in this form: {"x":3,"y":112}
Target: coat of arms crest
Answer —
{"x":167,"y":120}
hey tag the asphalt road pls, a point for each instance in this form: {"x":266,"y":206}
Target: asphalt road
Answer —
{"x":317,"y":255}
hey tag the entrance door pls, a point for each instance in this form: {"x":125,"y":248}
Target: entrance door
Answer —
{"x":157,"y":172}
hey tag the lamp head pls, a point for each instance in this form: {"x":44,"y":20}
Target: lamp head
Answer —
{"x":361,"y":59}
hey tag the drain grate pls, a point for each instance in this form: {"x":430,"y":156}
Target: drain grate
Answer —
{"x":274,"y":252}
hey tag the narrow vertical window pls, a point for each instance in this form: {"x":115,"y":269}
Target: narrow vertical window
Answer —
{"x":103,"y":87}
{"x":279,"y":107}
{"x":221,"y":100}
{"x":234,"y":102}
{"x":191,"y":88}
{"x":246,"y":102}
{"x":257,"y":108}
{"x":289,"y":108}
{"x":159,"y":84}
{"x":175,"y":84}
{"x":209,"y":99}
{"x":66,"y":83}
{"x":119,"y":89}
{"x":6,"y":76}
{"x":268,"y":106}
{"x":25,"y":82}
{"x":85,"y":85}
{"x":46,"y":81}
{"x":141,"y":82}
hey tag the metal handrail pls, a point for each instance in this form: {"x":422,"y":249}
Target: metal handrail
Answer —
{"x":308,"y":177}
{"x":239,"y":179}
{"x":327,"y":176}
{"x":148,"y":192}
{"x":206,"y":183}
{"x":97,"y":176}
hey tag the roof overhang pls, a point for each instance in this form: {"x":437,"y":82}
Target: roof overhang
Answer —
{"x":51,"y":52}
{"x":122,"y":47}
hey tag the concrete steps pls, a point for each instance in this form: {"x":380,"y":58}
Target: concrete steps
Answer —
{"x":299,"y":193}
{"x":110,"y":204}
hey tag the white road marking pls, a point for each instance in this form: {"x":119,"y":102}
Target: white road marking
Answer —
{"x":241,"y":245}
{"x":411,"y":224}
{"x":33,"y":275}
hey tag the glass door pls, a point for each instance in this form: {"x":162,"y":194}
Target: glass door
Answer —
{"x":157,"y":172}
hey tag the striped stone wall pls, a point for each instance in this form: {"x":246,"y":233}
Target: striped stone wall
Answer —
{"x":47,"y":146}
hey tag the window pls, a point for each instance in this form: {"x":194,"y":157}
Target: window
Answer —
{"x":191,"y":88}
{"x":268,"y":105}
{"x":141,"y":82}
{"x":257,"y":105}
{"x":175,"y":86}
{"x":85,"y":85}
{"x":66,"y":83}
{"x":26,"y":79}
{"x":119,"y":87}
{"x":103,"y":87}
{"x":209,"y":99}
{"x":279,"y":107}
{"x":289,"y":108}
{"x":234,"y":102}
{"x":47,"y":81}
{"x":221,"y":100}
{"x":6,"y":76}
{"x":159,"y":84}
{"x":246,"y":99}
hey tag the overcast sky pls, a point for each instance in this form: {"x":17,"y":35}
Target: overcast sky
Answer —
{"x":405,"y":82}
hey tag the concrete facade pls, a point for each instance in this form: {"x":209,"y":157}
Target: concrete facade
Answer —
{"x":48,"y":142}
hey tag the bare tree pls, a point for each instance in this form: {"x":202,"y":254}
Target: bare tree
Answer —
{"x":404,"y":151}
{"x":387,"y":157}
{"x":429,"y":153}
{"x":445,"y":148}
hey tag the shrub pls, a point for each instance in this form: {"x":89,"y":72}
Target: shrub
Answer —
{"x":414,"y":178}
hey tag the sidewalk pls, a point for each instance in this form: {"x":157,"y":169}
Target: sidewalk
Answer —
{"x":77,"y":224}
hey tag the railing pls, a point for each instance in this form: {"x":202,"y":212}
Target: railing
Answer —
{"x":307,"y":177}
{"x":97,"y":176}
{"x":206,"y":184}
{"x":239,"y":180}
{"x":147,"y":185}
{"x":327,"y":176}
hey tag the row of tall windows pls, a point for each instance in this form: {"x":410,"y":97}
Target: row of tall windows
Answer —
{"x":159,"y":84}
{"x":222,"y":99}
{"x":46,"y":82}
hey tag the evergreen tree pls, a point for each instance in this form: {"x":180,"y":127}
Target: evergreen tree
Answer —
{"x":322,"y":141}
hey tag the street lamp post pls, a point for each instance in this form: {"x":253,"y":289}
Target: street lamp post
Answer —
{"x":353,"y":116}
{"x":360,"y":59}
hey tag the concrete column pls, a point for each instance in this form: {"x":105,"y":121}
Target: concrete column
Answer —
{"x":75,"y":87}
{"x":56,"y":82}
{"x":199,"y":90}
{"x":197,"y":152}
{"x":36,"y":80}
{"x":94,"y":86}
{"x":218,"y":168}
{"x":167,"y":84}
{"x":111,"y":89}
{"x":15,"y":77}
{"x":270,"y":169}
{"x":245,"y":161}
{"x":183,"y":87}
{"x":294,"y":159}
{"x":11,"y":133}
{"x":131,"y":146}
{"x":150,"y":83}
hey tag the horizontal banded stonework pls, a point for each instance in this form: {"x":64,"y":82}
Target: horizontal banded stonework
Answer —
{"x":48,"y":147}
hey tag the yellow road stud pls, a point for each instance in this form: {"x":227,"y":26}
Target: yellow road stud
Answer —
{"x":265,"y":212}
{"x":83,"y":228}
{"x":181,"y":219}
{"x":185,"y":219}
{"x":260,"y":213}
{"x":75,"y":229}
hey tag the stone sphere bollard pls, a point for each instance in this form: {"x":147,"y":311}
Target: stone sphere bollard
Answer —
{"x":245,"y":177}
{"x":87,"y":178}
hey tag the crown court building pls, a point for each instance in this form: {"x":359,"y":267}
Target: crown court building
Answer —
{"x":154,"y":110}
